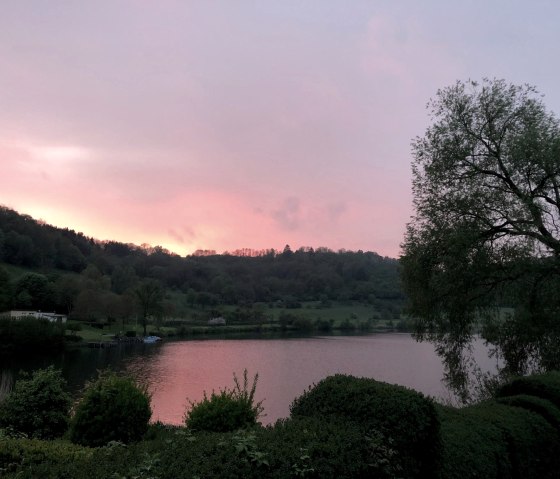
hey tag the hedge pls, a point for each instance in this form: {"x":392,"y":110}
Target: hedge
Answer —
{"x":471,"y":448}
{"x":543,"y":407}
{"x":401,"y":415}
{"x":545,"y":386}
{"x":493,"y":440}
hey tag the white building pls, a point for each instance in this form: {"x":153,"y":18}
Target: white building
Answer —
{"x":18,"y":314}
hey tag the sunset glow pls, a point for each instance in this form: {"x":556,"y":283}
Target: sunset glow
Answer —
{"x":224,"y":125}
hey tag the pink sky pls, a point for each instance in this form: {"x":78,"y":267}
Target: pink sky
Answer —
{"x":230,"y":124}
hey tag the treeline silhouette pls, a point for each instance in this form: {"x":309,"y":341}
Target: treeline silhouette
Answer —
{"x":71,"y":273}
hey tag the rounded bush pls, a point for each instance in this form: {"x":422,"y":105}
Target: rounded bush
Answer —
{"x":545,"y":386}
{"x":113,"y":408}
{"x":471,"y":447}
{"x":38,"y":406}
{"x":228,"y":410}
{"x":536,"y":404}
{"x":405,"y":416}
{"x":313,"y":447}
{"x":532,"y":443}
{"x":220,"y":412}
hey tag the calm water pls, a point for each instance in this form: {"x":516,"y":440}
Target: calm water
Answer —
{"x":177,"y":370}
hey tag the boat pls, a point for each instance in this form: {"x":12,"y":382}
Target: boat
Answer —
{"x":151,"y":339}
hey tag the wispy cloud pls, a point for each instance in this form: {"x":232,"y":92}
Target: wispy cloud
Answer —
{"x":220,"y":125}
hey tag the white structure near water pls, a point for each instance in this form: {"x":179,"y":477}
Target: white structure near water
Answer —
{"x":19,"y":314}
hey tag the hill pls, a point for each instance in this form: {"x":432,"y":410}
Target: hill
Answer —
{"x":57,"y":269}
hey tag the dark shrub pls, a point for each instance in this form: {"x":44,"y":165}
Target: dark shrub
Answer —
{"x":38,"y":406}
{"x":305,"y":447}
{"x":400,"y":414}
{"x":337,"y":448}
{"x":25,"y":335}
{"x":545,"y":386}
{"x":32,"y":458}
{"x":471,"y":448}
{"x":536,"y":404}
{"x":113,"y":408}
{"x":495,"y":440}
{"x":533,"y":444}
{"x":228,"y":410}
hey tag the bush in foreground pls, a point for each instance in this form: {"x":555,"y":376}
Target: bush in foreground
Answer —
{"x":228,"y":410}
{"x":38,"y":406}
{"x":401,"y":415}
{"x":545,"y":386}
{"x":494,"y":440}
{"x":113,"y":408}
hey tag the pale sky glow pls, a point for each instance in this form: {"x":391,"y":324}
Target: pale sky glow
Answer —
{"x":231,"y":124}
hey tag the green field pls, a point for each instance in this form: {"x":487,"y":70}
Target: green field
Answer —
{"x":310,"y":318}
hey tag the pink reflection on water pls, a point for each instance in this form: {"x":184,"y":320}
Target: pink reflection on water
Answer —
{"x":286,"y":367}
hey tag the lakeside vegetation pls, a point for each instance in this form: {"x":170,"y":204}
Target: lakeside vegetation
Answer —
{"x":342,"y":427}
{"x":109,"y":288}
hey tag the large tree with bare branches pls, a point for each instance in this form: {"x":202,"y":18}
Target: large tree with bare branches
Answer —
{"x":486,"y":229}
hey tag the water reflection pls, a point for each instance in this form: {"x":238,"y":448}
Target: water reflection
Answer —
{"x":175,"y":371}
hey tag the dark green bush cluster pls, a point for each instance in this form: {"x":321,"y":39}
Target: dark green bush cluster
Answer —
{"x":517,"y":435}
{"x":306,"y":448}
{"x":227,"y":410}
{"x":344,"y":427}
{"x":113,"y":408}
{"x":32,"y":459}
{"x":401,"y":415}
{"x":545,"y":386}
{"x":30,"y":334}
{"x":38,"y":406}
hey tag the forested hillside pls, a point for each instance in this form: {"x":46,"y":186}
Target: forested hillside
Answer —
{"x":54,"y":269}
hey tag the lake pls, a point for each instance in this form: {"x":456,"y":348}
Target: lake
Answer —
{"x":178,"y":371}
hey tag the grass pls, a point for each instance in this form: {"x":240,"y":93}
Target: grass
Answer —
{"x":355,"y":314}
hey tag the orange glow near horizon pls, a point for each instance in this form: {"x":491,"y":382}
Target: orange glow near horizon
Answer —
{"x":227,"y":125}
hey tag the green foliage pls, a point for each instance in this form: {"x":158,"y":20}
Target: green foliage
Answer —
{"x":495,"y":440}
{"x":30,"y":336}
{"x":471,"y":448}
{"x":405,"y":416}
{"x":328,"y":448}
{"x":38,"y":406}
{"x":5,"y":289}
{"x":485,"y":181}
{"x":544,"y":386}
{"x":245,"y":444}
{"x":113,"y":408}
{"x":150,"y":296}
{"x":32,"y":458}
{"x":241,"y":278}
{"x":540,"y":406}
{"x":34,"y":291}
{"x":227,"y":410}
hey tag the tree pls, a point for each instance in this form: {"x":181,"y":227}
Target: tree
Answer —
{"x":5,"y":290}
{"x":150,"y":296}
{"x":38,"y":406}
{"x":34,"y":291}
{"x":113,"y":408}
{"x":486,"y":233}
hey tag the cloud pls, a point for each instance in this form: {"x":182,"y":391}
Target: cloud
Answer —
{"x":176,"y":236}
{"x":288,"y":215}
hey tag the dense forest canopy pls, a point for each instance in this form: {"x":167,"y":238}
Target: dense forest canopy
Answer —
{"x":90,"y":279}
